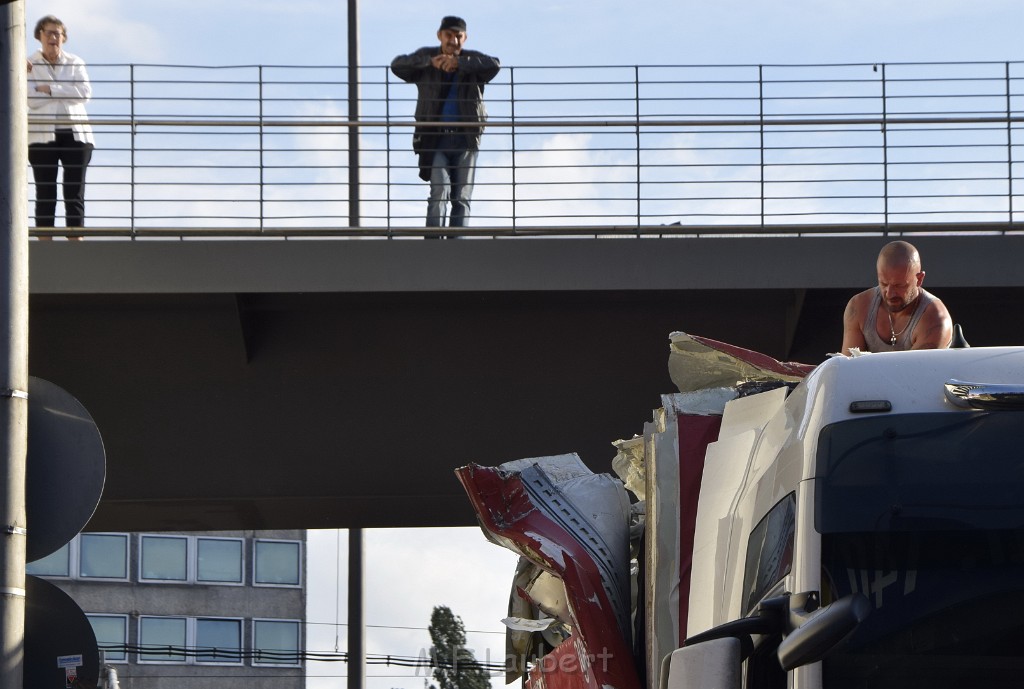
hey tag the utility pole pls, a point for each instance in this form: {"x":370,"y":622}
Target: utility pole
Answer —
{"x":14,"y":350}
{"x":356,"y":625}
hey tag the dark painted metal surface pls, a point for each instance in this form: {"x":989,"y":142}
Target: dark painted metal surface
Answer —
{"x":56,"y":629}
{"x":65,"y":468}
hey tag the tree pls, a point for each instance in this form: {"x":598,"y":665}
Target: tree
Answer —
{"x":455,"y":667}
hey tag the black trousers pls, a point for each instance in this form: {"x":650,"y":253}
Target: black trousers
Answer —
{"x":44,"y":159}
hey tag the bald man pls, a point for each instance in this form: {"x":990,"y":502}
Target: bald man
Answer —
{"x":898,"y":314}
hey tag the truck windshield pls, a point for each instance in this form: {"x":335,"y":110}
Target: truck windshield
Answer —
{"x":924,"y":515}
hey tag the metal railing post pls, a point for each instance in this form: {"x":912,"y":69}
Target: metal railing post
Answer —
{"x":760,"y":116}
{"x":1009,"y":147}
{"x":354,"y":214}
{"x":387,"y":149}
{"x":636,"y":101}
{"x":261,"y":148}
{"x":512,"y":117}
{"x":131,"y":95}
{"x":885,"y":154}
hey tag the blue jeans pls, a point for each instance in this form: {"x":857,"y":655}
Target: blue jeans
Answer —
{"x":451,"y":179}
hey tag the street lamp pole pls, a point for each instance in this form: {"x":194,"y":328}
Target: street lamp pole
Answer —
{"x":14,"y":348}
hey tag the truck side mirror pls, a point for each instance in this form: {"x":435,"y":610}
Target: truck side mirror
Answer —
{"x":821,"y":630}
{"x":807,"y":634}
{"x":712,"y":664}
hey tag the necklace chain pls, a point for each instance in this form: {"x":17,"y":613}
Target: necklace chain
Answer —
{"x":892,"y":329}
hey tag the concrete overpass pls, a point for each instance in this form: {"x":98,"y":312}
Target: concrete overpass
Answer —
{"x":330,"y":382}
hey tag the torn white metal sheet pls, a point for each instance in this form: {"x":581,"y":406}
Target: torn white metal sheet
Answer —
{"x":700,"y":363}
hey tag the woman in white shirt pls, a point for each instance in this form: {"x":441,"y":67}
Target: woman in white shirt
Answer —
{"x":58,"y":133}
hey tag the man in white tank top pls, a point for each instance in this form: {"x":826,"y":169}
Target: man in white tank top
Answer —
{"x":897,"y":314}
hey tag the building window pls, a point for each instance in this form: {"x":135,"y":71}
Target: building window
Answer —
{"x":277,"y":563}
{"x":162,"y":639}
{"x":190,"y":640}
{"x":163,"y":558}
{"x":103,"y":556}
{"x":219,"y":560}
{"x":190,"y":559}
{"x":56,"y":564}
{"x":111,"y":635}
{"x":275,"y":642}
{"x":218,"y":641}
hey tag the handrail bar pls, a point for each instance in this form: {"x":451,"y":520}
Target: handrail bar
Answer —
{"x":624,"y":122}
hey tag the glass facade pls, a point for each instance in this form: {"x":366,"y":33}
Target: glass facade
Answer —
{"x":277,"y":563}
{"x":218,"y":641}
{"x":219,"y":560}
{"x":162,"y":639}
{"x":275,"y":642}
{"x":164,"y":558}
{"x":103,"y":556}
{"x":111,"y":635}
{"x":56,"y":564}
{"x":207,"y":613}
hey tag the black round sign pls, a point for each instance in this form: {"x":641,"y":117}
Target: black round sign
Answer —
{"x":65,"y":468}
{"x":58,"y":640}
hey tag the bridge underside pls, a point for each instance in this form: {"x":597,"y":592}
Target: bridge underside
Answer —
{"x":317,"y":384}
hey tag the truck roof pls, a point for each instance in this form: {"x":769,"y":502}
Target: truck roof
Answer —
{"x":911,"y":382}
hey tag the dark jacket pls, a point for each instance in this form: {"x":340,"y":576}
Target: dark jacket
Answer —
{"x":475,"y":70}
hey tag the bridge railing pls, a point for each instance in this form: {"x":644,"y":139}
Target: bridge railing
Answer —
{"x":595,"y":150}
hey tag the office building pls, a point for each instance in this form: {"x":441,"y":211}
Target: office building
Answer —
{"x":190,"y":610}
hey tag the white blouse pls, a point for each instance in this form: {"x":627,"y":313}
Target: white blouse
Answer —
{"x":69,"y":92}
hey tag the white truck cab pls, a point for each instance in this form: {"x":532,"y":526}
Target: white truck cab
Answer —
{"x":860,"y":525}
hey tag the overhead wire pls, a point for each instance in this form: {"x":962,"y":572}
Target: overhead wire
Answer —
{"x":213,"y":655}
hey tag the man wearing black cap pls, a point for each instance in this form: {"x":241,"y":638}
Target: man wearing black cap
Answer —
{"x":450,"y":83}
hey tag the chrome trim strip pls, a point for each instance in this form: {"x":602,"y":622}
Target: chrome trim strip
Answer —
{"x":985,"y":395}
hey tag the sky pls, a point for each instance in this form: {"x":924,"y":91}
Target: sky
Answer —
{"x":562,"y":32}
{"x":406,"y":573}
{"x":410,"y":571}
